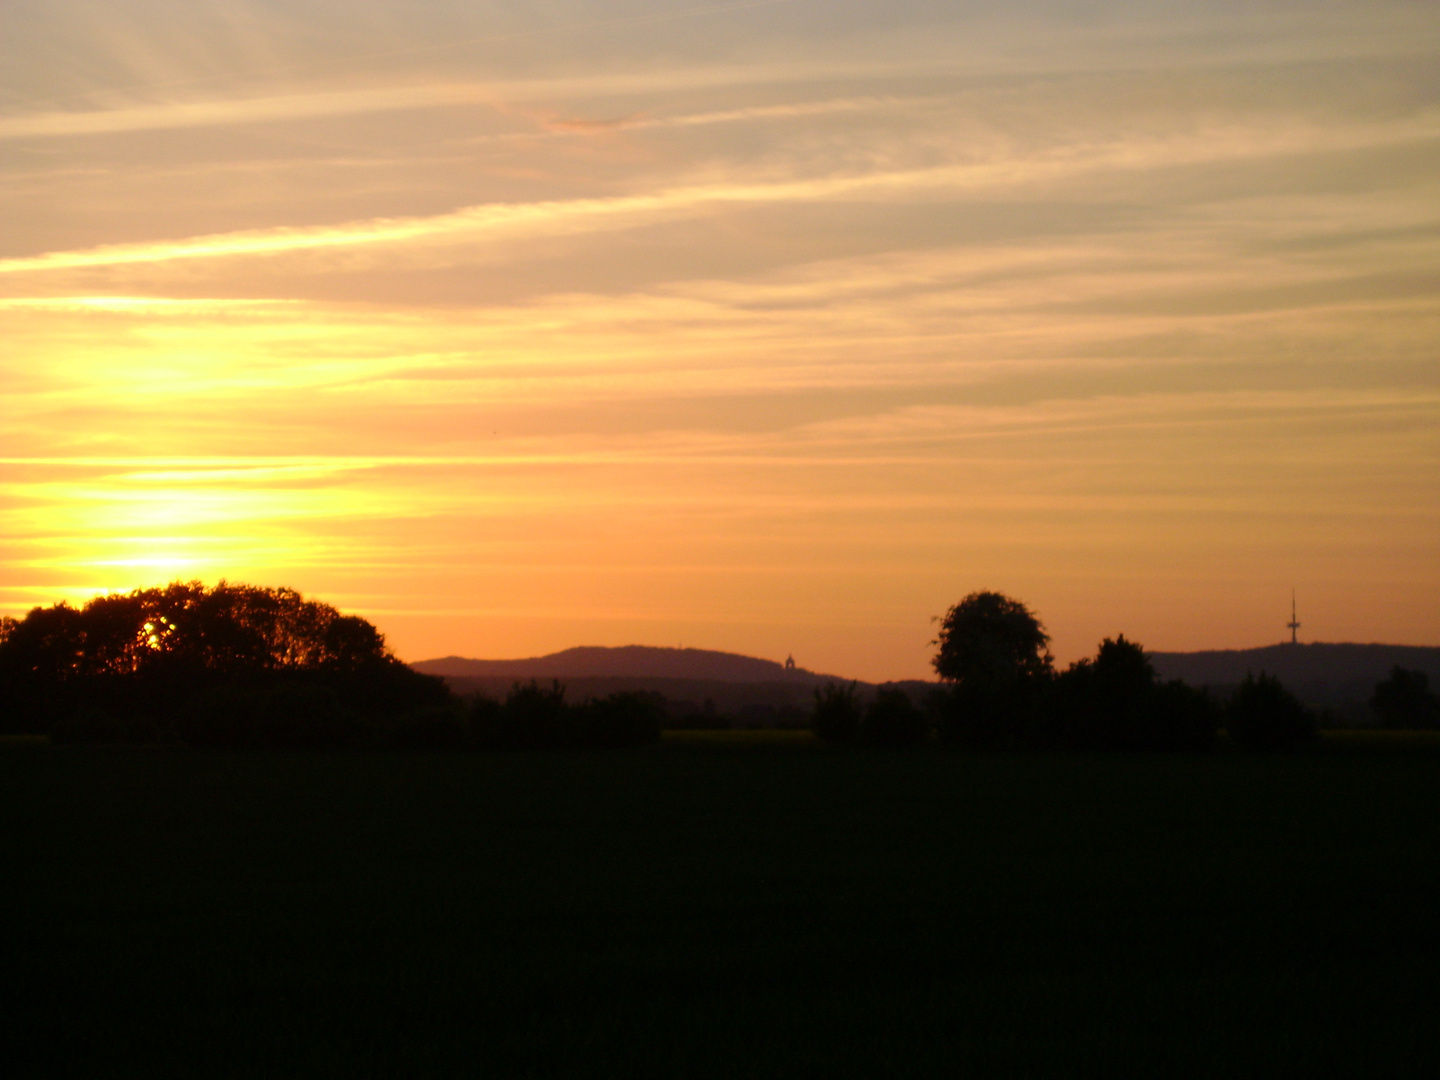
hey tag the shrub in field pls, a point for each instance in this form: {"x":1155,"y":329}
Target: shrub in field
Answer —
{"x":837,"y":713}
{"x":1115,"y":702}
{"x":536,"y":717}
{"x":1404,"y":700}
{"x":1104,"y":703}
{"x":532,"y":717}
{"x":1185,"y":718}
{"x":484,"y":721}
{"x":621,"y":719}
{"x":984,"y":714}
{"x":441,"y":727}
{"x":893,"y":720}
{"x":270,"y":712}
{"x":1263,"y":715}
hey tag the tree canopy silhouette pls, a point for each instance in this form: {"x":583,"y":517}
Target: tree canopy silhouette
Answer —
{"x":1404,"y":700}
{"x":230,"y":628}
{"x":186,"y":661}
{"x":837,"y":713}
{"x":893,"y":720}
{"x":1116,"y":702}
{"x":992,"y":653}
{"x":1263,"y":715}
{"x":989,"y":636}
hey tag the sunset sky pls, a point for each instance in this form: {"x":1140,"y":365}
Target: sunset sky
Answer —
{"x":773,"y":327}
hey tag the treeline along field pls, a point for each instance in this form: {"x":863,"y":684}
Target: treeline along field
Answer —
{"x":240,"y":666}
{"x":1002,"y":691}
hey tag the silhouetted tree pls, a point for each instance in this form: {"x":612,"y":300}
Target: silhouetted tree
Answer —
{"x":989,"y":636}
{"x":893,"y":720}
{"x":1105,"y":701}
{"x":1263,"y":715}
{"x":993,"y":654}
{"x":1115,"y":702}
{"x":535,"y":715}
{"x":837,"y":714}
{"x":1404,"y":700}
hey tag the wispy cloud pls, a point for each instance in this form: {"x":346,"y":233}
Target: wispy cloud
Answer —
{"x":799,"y":325}
{"x":997,"y":172}
{"x":789,"y":111}
{"x":501,"y":95}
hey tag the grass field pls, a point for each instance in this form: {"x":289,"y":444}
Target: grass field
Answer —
{"x":719,"y":907}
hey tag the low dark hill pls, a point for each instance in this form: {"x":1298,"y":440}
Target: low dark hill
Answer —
{"x":627,"y":662}
{"x":1338,"y":676}
{"x":701,"y":687}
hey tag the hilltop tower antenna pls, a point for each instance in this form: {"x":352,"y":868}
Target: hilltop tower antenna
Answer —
{"x":1293,"y":624}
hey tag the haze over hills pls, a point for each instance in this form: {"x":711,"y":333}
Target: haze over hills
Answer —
{"x":1298,"y":665}
{"x":695,"y":682}
{"x":628,"y":662}
{"x":1336,"y":676}
{"x":1305,"y":663}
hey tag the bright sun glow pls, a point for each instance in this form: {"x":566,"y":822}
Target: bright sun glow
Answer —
{"x":650,"y":337}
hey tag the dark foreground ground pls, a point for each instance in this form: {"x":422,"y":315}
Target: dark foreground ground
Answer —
{"x":718,"y":909}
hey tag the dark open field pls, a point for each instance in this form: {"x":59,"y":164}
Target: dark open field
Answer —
{"x":710,"y":908}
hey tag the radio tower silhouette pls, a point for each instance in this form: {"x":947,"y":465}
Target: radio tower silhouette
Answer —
{"x":1294,"y":623}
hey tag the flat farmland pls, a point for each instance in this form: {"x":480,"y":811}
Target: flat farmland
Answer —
{"x":713,"y":907}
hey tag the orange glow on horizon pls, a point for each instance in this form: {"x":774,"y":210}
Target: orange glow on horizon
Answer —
{"x":653,"y":337}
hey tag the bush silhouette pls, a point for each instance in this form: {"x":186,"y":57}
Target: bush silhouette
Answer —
{"x":1262,"y":715}
{"x":985,"y":714}
{"x":1115,"y":702}
{"x":837,"y":714}
{"x":1185,"y":718}
{"x":1404,"y":700}
{"x":893,"y":720}
{"x":1105,"y":702}
{"x":627,"y":718}
{"x":535,"y":717}
{"x":438,"y":727}
{"x":271,"y":712}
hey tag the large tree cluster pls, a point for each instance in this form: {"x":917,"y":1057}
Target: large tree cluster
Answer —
{"x":233,"y":663}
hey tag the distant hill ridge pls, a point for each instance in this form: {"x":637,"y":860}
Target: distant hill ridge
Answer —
{"x":1329,"y":675}
{"x":1329,"y":663}
{"x":1338,"y":677}
{"x":1313,"y":662}
{"x":626,"y":661}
